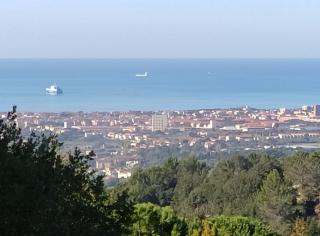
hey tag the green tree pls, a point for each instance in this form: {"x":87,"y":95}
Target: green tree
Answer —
{"x":151,"y":219}
{"x":191,"y":174}
{"x":155,"y":185}
{"x":303,"y":170}
{"x":276,"y":202}
{"x":44,"y":193}
{"x":231,"y":186}
{"x":233,"y":226}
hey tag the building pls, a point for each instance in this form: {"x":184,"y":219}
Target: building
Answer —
{"x":159,"y":122}
{"x":316,"y":110}
{"x":283,"y":111}
{"x":306,"y":108}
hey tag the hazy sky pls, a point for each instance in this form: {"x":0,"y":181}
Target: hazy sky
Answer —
{"x":159,"y":28}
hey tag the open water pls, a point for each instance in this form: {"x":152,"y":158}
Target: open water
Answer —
{"x":172,"y":84}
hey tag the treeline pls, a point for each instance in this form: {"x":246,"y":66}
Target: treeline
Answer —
{"x":156,"y":156}
{"x":283,"y":193}
{"x":151,"y":219}
{"x":45,"y":193}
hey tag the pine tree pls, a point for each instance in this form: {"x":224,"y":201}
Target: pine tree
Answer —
{"x":276,"y":202}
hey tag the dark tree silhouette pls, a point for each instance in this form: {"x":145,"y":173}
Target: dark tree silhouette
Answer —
{"x":45,"y":193}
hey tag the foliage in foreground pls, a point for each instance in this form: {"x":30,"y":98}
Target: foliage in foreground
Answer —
{"x":277,"y":192}
{"x":233,"y":225}
{"x":44,"y":193}
{"x":154,"y":220}
{"x":150,"y":219}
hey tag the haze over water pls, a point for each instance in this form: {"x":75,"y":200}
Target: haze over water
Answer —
{"x":172,"y":84}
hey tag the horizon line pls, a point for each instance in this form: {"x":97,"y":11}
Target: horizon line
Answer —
{"x":169,"y":110}
{"x":159,"y":58}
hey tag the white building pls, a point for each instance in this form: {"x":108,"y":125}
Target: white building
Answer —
{"x":159,"y":122}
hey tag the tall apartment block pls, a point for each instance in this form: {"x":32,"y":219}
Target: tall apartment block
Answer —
{"x":159,"y":122}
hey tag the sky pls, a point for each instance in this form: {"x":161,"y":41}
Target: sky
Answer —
{"x":159,"y":29}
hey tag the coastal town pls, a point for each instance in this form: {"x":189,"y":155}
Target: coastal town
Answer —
{"x":123,"y":141}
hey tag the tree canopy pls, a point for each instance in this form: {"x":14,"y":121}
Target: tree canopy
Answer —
{"x":45,"y":193}
{"x":275,"y":191}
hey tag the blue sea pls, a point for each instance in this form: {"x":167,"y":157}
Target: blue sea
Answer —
{"x":172,"y":84}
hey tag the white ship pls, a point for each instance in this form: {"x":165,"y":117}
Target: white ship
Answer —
{"x":145,"y":74}
{"x":53,"y":90}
